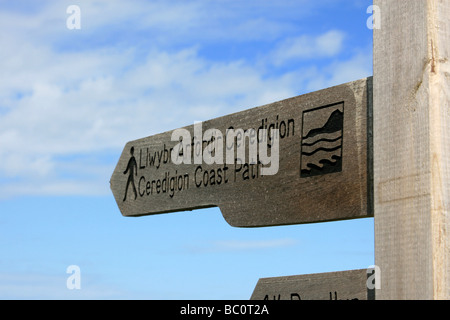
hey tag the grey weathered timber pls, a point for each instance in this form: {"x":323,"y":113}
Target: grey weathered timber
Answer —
{"x":412,"y":149}
{"x":342,"y":285}
{"x":323,"y":169}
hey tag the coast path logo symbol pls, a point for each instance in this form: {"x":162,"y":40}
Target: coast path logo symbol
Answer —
{"x":132,"y":171}
{"x":322,"y":139}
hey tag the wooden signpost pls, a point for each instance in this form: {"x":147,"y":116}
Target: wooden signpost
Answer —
{"x":301,"y":160}
{"x":310,"y":159}
{"x":343,"y":285}
{"x":412,"y":149}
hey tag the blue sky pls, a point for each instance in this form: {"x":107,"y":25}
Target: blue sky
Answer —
{"x":71,"y":99}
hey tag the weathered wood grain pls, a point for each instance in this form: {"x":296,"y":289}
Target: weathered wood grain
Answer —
{"x":342,"y":285}
{"x":322,"y":169}
{"x":412,"y":149}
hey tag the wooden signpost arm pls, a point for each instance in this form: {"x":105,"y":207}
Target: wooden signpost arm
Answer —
{"x":412,"y":149}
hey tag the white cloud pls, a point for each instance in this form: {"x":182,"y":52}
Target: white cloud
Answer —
{"x":240,"y":245}
{"x":100,"y":111}
{"x":325,"y":45}
{"x":356,"y":67}
{"x":251,"y":245}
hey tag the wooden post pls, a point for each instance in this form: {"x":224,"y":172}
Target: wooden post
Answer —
{"x":412,"y":149}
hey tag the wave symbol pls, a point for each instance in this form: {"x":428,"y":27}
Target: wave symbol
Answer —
{"x":322,"y":146}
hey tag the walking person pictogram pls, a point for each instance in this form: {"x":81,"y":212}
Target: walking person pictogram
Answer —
{"x":132,"y":170}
